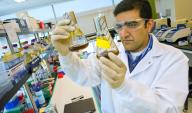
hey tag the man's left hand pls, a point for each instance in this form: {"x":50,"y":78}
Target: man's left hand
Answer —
{"x":113,"y":70}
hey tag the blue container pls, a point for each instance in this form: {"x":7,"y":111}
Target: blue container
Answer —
{"x":12,"y":103}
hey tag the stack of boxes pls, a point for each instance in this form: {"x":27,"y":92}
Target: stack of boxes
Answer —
{"x":32,"y":23}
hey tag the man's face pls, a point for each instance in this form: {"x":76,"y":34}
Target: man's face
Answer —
{"x":132,"y":30}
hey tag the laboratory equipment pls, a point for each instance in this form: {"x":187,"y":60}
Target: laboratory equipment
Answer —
{"x":179,"y":21}
{"x":162,"y":33}
{"x":178,"y":33}
{"x":104,"y":41}
{"x":159,"y":24}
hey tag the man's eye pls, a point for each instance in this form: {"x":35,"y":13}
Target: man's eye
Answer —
{"x":132,"y":24}
{"x":119,"y":26}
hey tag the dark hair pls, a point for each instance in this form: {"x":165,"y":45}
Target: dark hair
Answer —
{"x":142,"y":5}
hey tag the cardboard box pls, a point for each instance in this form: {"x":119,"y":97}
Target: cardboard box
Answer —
{"x":21,"y":22}
{"x":13,"y":25}
{"x":32,"y":23}
{"x":22,"y":14}
{"x":1,"y":26}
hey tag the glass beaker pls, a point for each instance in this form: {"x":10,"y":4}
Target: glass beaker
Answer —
{"x":78,"y":40}
{"x":104,"y":41}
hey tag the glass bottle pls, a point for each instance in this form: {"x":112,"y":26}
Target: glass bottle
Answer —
{"x":27,"y":56}
{"x":5,"y":49}
{"x":104,"y":41}
{"x":78,"y":40}
{"x":15,"y":48}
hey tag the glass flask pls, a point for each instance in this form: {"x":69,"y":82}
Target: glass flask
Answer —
{"x":104,"y":41}
{"x":78,"y":40}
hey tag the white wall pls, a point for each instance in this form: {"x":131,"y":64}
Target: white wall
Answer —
{"x":163,"y":5}
{"x":85,"y":19}
{"x":42,"y":13}
{"x":85,"y":11}
{"x":80,"y":6}
{"x":46,"y":13}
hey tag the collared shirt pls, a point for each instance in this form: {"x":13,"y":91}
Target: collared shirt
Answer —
{"x":133,"y":62}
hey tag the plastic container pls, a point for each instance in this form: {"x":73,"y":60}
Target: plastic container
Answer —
{"x":40,"y":97}
{"x":12,"y":103}
{"x":17,"y":109}
{"x":29,"y":111}
{"x":39,"y":94}
{"x":15,"y":48}
{"x":41,"y":25}
{"x":60,"y":75}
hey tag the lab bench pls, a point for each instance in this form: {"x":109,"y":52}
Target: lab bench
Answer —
{"x":66,"y":89}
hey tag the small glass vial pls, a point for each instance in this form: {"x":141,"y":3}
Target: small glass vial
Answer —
{"x":5,"y":49}
{"x":15,"y":48}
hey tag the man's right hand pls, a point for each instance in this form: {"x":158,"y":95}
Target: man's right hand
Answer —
{"x":61,"y":36}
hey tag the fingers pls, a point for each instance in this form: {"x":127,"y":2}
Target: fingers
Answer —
{"x":116,"y":60}
{"x":64,"y":22}
{"x":108,"y":79}
{"x":62,"y":30}
{"x":109,"y":64}
{"x":113,"y":70}
{"x":110,"y":73}
{"x":58,"y":37}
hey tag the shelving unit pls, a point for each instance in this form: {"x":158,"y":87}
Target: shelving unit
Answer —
{"x":2,"y":33}
{"x":33,"y":32}
{"x":7,"y":96}
{"x":22,"y":82}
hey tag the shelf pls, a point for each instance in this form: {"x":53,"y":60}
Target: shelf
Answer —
{"x":2,"y":33}
{"x":33,"y":32}
{"x":8,"y":95}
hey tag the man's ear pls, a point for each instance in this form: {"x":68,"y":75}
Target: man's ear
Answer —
{"x":150,"y":25}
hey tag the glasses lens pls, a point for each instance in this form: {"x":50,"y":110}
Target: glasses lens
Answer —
{"x":129,"y":24}
{"x":132,"y":24}
{"x":118,"y":26}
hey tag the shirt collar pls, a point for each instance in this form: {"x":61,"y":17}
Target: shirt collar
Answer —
{"x":147,"y":48}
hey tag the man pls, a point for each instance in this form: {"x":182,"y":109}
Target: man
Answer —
{"x":146,"y":76}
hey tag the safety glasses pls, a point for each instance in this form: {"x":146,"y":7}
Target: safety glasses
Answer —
{"x":130,"y":24}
